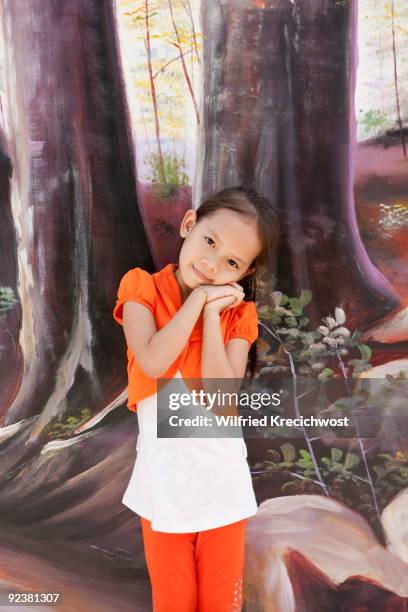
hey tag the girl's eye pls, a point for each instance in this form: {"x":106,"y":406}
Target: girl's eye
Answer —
{"x":209,"y":240}
{"x":233,"y":263}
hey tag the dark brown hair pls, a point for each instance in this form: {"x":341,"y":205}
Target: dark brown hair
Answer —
{"x":246,"y":201}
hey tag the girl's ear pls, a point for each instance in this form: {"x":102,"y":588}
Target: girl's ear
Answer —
{"x":188,"y":222}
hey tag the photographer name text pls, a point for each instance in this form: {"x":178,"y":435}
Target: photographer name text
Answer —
{"x":264,"y":421}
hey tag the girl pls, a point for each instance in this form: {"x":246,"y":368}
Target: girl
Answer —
{"x":194,"y":319}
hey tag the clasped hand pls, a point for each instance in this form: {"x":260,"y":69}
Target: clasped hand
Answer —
{"x":223,"y":297}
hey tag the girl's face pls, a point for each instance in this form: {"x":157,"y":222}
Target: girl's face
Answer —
{"x":217,"y":250}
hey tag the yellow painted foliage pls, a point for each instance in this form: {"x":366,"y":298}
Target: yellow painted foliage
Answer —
{"x":174,"y":106}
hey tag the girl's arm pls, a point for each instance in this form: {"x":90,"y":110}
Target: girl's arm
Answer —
{"x":155,"y":351}
{"x":219,"y":360}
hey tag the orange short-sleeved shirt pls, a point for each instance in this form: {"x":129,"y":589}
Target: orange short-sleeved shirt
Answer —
{"x":160,"y":293}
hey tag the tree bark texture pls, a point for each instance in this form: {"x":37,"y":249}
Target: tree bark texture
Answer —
{"x":279,"y":80}
{"x":73,"y":200}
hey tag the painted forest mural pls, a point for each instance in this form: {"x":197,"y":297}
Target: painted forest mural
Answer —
{"x":117,"y":116}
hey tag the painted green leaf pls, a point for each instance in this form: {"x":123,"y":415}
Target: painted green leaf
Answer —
{"x":336,"y":454}
{"x":305,"y":297}
{"x":294,"y":302}
{"x":325,"y":374}
{"x":365,"y":351}
{"x":288,"y":452}
{"x":308,"y":472}
{"x":380,"y":471}
{"x":356,"y":362}
{"x":274,"y":455}
{"x":304,"y":454}
{"x":351,"y":461}
{"x":7,"y":298}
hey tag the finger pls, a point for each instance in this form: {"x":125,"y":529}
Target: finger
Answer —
{"x":232,"y":293}
{"x":237,"y":286}
{"x":231,"y":303}
{"x":237,"y":293}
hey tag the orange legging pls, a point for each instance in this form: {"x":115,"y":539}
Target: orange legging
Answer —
{"x":196,"y":572}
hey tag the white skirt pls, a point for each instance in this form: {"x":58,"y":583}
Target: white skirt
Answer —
{"x":186,"y":485}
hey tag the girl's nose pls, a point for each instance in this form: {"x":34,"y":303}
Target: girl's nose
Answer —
{"x":210,"y":264}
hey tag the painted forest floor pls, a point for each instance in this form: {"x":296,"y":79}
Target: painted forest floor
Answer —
{"x":381,"y":192}
{"x":96,"y":577}
{"x":381,"y":199}
{"x":85,"y":577}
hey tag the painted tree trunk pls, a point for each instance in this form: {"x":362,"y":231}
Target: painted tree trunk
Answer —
{"x":279,"y":115}
{"x":73,"y":201}
{"x":8,"y":272}
{"x":397,"y":94}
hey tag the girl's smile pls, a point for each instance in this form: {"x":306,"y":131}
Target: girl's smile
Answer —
{"x":201,"y":276}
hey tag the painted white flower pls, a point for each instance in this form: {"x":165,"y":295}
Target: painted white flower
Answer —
{"x":277,"y":297}
{"x":334,"y":332}
{"x":341,"y":331}
{"x":318,"y":366}
{"x":340,"y":315}
{"x":317,"y":348}
{"x":331,"y":323}
{"x":292,"y":332}
{"x":330,"y":342}
{"x":283,"y":310}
